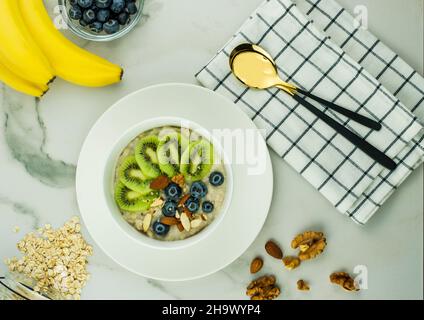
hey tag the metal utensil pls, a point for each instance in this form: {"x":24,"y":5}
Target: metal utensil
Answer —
{"x":255,"y":67}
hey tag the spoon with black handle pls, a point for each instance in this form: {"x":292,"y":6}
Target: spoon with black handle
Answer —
{"x":254,"y":67}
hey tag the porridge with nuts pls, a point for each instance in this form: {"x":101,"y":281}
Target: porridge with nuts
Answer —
{"x":170,"y":183}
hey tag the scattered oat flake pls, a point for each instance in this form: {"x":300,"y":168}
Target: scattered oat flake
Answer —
{"x":55,"y":259}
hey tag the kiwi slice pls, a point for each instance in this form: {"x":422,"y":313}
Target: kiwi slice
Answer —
{"x":146,"y":157}
{"x":133,"y":201}
{"x":169,"y":151}
{"x":132,"y":177}
{"x":197,"y":160}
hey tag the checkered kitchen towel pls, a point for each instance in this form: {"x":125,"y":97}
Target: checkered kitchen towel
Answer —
{"x":306,"y":56}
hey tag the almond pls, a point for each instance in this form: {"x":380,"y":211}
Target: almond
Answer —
{"x":146,"y":222}
{"x":183,"y":200}
{"x":157,"y":203}
{"x":256,"y":265}
{"x":159,"y":183}
{"x":185,"y":221}
{"x":180,"y":227}
{"x":273,"y":250}
{"x":188,"y":213}
{"x":179,"y":179}
{"x":169,"y":221}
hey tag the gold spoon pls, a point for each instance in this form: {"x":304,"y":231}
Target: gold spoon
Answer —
{"x":255,"y":67}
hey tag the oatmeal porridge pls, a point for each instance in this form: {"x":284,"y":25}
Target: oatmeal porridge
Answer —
{"x":170,"y":183}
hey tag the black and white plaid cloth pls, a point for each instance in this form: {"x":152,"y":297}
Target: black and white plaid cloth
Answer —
{"x":343,"y":69}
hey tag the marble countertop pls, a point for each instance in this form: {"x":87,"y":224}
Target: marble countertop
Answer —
{"x":40,"y":143}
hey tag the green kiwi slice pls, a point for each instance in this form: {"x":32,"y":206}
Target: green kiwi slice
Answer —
{"x":170,"y":149}
{"x":132,"y":177}
{"x":197,"y":160}
{"x":146,"y":156}
{"x":133,"y":201}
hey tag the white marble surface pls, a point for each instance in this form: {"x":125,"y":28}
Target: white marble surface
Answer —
{"x":39,"y":146}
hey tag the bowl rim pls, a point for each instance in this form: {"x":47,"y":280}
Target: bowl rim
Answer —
{"x":109,"y":181}
{"x":81,"y":32}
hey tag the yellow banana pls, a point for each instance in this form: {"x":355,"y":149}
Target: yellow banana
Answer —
{"x":69,"y":61}
{"x":20,"y":84}
{"x":18,"y":51}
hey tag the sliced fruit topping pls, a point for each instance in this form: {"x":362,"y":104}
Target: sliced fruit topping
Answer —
{"x":170,"y":148}
{"x":145,"y":155}
{"x":132,"y":177}
{"x":216,"y":178}
{"x":198,"y":189}
{"x":207,"y":207}
{"x":133,"y":201}
{"x":197,"y":160}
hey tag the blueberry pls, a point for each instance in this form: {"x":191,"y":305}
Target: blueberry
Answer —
{"x":75,"y":13}
{"x":207,"y":207}
{"x":216,"y":178}
{"x":112,"y":26}
{"x":131,"y":8}
{"x":192,"y":204}
{"x":198,"y":189}
{"x":160,"y":229}
{"x":85,"y":3}
{"x":102,"y":4}
{"x":123,"y":18}
{"x":117,"y":5}
{"x":96,"y":26}
{"x":73,"y":2}
{"x":169,"y":208}
{"x":173,"y":191}
{"x":83,"y":23}
{"x":89,"y":16}
{"x":103,"y":15}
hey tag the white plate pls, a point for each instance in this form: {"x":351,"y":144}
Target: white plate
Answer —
{"x":247,"y":210}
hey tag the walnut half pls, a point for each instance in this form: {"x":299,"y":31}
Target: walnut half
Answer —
{"x":344,"y":280}
{"x":310,"y":244}
{"x":263,"y":288}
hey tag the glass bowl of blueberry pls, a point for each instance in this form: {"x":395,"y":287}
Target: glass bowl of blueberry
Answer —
{"x":101,"y":20}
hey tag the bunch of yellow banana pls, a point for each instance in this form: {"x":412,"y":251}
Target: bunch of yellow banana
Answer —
{"x":33,"y":52}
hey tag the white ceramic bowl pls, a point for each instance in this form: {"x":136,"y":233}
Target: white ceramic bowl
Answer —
{"x":108,"y":182}
{"x":213,"y":249}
